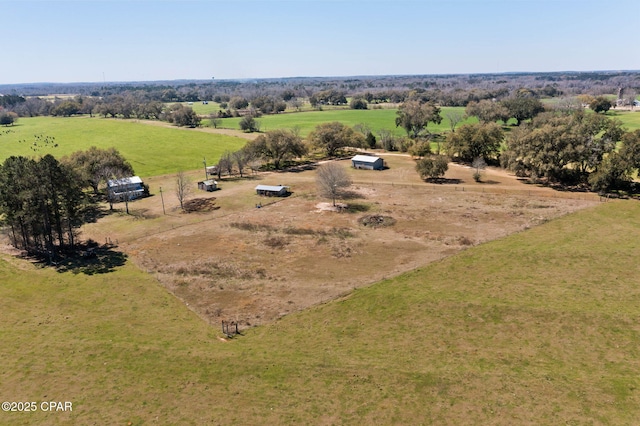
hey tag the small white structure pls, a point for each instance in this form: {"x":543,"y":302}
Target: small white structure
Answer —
{"x":128,"y":188}
{"x":208,"y":185}
{"x":368,"y":162}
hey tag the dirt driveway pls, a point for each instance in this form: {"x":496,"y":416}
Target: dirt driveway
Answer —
{"x":252,"y":265}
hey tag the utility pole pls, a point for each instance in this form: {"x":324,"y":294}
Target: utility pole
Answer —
{"x":204,"y":161}
{"x":162,"y":198}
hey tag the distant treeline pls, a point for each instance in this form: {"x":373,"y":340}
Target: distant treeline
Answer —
{"x":275,"y":95}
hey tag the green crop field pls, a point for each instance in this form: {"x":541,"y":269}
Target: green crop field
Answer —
{"x":152,"y":150}
{"x":375,"y":118}
{"x":537,"y":328}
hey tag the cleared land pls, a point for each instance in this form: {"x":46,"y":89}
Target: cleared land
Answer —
{"x":253,"y":265}
{"x":537,"y":328}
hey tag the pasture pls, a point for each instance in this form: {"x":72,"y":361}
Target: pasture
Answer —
{"x":536,"y":328}
{"x":630,"y":119}
{"x":483,"y":303}
{"x":376,"y":119}
{"x":151,"y":150}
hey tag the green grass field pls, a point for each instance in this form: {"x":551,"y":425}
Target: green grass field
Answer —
{"x":307,"y":121}
{"x":537,"y":328}
{"x":377,"y":119}
{"x":630,"y":119}
{"x":155,"y":150}
{"x":152,"y":150}
{"x":203,"y":109}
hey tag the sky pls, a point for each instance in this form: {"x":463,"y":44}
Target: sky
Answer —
{"x":149,"y":40}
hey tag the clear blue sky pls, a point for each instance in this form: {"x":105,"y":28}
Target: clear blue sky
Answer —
{"x":93,"y":40}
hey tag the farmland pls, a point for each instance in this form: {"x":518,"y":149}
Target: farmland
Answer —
{"x":497,"y":302}
{"x":306,"y":121}
{"x":152,"y":150}
{"x":146,"y":143}
{"x":477,"y":338}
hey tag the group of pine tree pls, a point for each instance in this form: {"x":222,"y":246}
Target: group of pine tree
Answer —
{"x":44,"y":201}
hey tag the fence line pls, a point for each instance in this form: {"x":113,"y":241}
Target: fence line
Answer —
{"x":583,"y":196}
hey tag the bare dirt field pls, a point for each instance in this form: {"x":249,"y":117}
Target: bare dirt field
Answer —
{"x":252,"y":259}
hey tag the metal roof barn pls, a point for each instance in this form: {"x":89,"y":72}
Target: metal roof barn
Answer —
{"x":272,"y":190}
{"x":368,"y":162}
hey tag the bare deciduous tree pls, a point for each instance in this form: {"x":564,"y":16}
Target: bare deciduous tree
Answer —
{"x":331,"y":179}
{"x":116,"y":174}
{"x":183,"y":187}
{"x":241,"y":159}
{"x":454,"y":118}
{"x":479,"y":165}
{"x":214,"y":121}
{"x":225,"y":164}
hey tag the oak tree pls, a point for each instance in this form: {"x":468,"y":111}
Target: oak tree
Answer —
{"x":414,"y":116}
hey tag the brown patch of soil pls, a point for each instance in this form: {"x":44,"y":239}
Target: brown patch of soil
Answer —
{"x":200,"y":205}
{"x":252,"y":265}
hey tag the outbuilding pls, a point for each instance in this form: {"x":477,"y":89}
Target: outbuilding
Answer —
{"x":127,"y":188}
{"x":208,"y":185}
{"x":368,"y":162}
{"x":212,"y":170}
{"x":272,"y":190}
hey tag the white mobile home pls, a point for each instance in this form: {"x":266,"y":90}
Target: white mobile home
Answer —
{"x":128,"y":188}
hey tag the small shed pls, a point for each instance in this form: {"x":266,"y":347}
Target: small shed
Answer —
{"x":212,"y":170}
{"x":272,"y":190}
{"x":127,"y":188}
{"x":368,"y":162}
{"x":208,"y":185}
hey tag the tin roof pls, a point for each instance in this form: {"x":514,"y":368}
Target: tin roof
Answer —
{"x":272,"y":188}
{"x":365,"y":158}
{"x":124,"y":181}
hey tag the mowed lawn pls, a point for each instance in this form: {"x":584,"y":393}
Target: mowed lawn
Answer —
{"x":541,"y":327}
{"x":152,"y":150}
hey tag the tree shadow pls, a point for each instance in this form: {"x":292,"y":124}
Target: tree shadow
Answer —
{"x":93,"y":212}
{"x":99,"y":260}
{"x":142,"y":214}
{"x":300,"y":168}
{"x":444,"y":181}
{"x":357,"y":208}
{"x":88,"y":259}
{"x":350,"y":195}
{"x":238,"y":178}
{"x":488,"y":182}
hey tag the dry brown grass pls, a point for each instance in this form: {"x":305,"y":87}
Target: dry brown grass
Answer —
{"x":254,"y":265}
